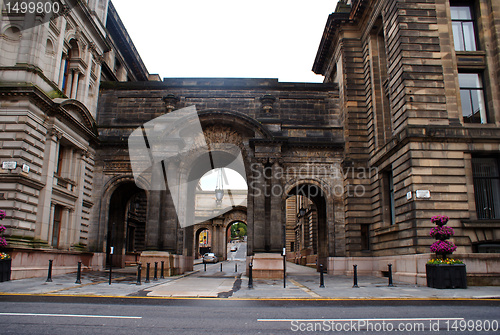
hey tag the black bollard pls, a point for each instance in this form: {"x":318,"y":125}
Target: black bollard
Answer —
{"x":235,"y":267}
{"x":220,"y":267}
{"x":321,"y":279}
{"x":147,"y":273}
{"x":79,"y":274}
{"x":162,"y":269}
{"x":155,"y":278}
{"x":250,"y":279}
{"x":139,"y":266}
{"x":390,"y":276}
{"x":205,"y":265}
{"x":110,"y":265}
{"x":49,"y":274}
{"x":355,"y":277}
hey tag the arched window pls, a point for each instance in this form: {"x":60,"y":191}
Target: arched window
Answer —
{"x":10,"y":46}
{"x":68,"y":80}
{"x":49,"y":59}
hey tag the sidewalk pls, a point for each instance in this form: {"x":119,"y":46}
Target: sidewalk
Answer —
{"x":302,"y":283}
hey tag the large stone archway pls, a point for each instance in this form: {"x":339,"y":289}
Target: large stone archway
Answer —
{"x":284,"y":134}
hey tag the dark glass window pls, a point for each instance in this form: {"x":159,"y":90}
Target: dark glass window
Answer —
{"x":365,"y":237}
{"x":388,"y":197}
{"x":56,"y":230}
{"x":486,"y":187}
{"x":464,"y":35}
{"x":391,"y":199}
{"x":472,"y":96}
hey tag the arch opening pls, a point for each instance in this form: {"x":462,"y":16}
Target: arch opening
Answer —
{"x":126,"y":231}
{"x":203,"y":242}
{"x":306,"y":226}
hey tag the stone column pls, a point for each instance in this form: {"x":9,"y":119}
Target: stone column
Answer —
{"x":153,"y":214}
{"x":276,"y":223}
{"x":257,"y":188}
{"x":74,"y":86}
{"x":80,"y":179}
{"x":45,"y":198}
{"x":168,"y":223}
{"x":218,"y":237}
{"x":61,"y":70}
{"x":69,"y":80}
{"x":65,"y":230}
{"x":50,"y":224}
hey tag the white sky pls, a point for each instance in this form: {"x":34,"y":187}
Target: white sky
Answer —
{"x":227,"y":38}
{"x":234,"y":180}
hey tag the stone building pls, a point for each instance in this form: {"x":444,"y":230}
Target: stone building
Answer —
{"x":350,"y":171}
{"x":49,"y":85}
{"x":419,"y":94}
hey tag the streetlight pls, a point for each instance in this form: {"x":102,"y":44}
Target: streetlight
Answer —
{"x":219,"y":188}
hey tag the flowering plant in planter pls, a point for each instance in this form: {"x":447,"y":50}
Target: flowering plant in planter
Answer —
{"x":443,"y":247}
{"x":442,"y":232}
{"x":439,"y":220}
{"x":3,"y":241}
{"x":443,"y":272}
{"x":449,"y":261}
{"x":4,"y":255}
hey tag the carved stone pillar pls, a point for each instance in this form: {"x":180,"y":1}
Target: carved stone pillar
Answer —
{"x":257,"y":188}
{"x":153,"y":214}
{"x":276,"y":223}
{"x":169,"y":224}
{"x":49,"y":166}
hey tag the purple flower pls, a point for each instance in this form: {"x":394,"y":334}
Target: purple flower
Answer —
{"x":443,"y":247}
{"x":439,"y":220}
{"x":3,"y":242}
{"x":2,"y":229}
{"x":442,"y":230}
{"x":2,"y":214}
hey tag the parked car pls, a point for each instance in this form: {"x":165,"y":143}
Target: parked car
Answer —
{"x":210,"y":257}
{"x":234,"y":248}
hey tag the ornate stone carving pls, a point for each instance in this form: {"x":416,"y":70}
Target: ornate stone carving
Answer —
{"x":170,"y":102}
{"x":54,"y":132}
{"x":267,"y":102}
{"x":219,"y":134}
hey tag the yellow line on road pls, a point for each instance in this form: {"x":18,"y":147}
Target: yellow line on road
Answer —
{"x":6,"y":294}
{"x":305,"y":288}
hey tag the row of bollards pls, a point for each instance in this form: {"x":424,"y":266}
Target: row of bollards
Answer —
{"x":139,"y":270}
{"x":355,"y":277}
{"x":78,"y":273}
{"x":250,"y":279}
{"x":148,"y":270}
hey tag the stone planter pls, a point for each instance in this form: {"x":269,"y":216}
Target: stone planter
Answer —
{"x":446,"y":275}
{"x":5,"y":265}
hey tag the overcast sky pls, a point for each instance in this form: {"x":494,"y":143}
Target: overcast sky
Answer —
{"x":227,"y":38}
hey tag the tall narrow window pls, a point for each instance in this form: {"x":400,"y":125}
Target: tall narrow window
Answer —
{"x":56,"y":230}
{"x":392,"y":207}
{"x":65,"y":75}
{"x":472,"y":96}
{"x":388,"y":200}
{"x":464,"y":35}
{"x":486,"y":176}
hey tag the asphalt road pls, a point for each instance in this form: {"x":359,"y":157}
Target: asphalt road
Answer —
{"x":70,"y":315}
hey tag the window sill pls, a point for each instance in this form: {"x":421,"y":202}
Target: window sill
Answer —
{"x":481,"y":223}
